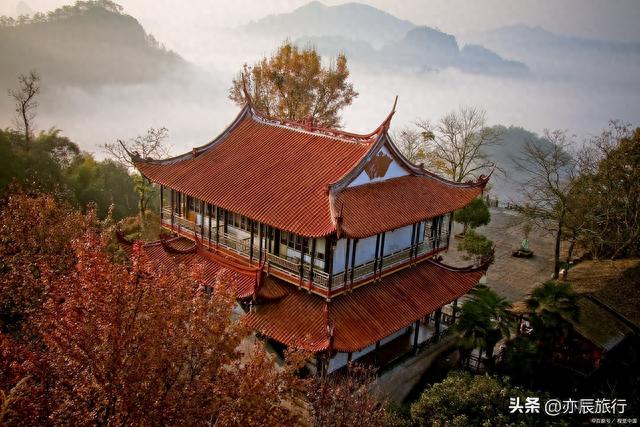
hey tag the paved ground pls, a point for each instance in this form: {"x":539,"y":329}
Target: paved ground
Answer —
{"x":511,"y":277}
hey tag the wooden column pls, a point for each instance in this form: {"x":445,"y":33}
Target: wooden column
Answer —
{"x":173,"y":209}
{"x":437,"y":323}
{"x":328,"y":261}
{"x":375,"y":256}
{"x":349,"y":357}
{"x":301,"y":264}
{"x":418,"y":232}
{"x":413,"y":241}
{"x":225,"y":227}
{"x":201,"y":219}
{"x":210,"y":211}
{"x":381,"y":254}
{"x":415,"y":336}
{"x":313,"y":258}
{"x":276,"y":241}
{"x":450,"y":227}
{"x":455,"y":309}
{"x":353,"y":259}
{"x":346,"y":262}
{"x":260,"y":237}
{"x":161,"y":203}
{"x":217,"y":225}
{"x":251,"y":241}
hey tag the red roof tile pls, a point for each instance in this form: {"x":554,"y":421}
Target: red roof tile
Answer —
{"x":370,"y":209}
{"x":280,"y":174}
{"x":270,"y":173}
{"x":365,"y":316}
{"x":181,"y":251}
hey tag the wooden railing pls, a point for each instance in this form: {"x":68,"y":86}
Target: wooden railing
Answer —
{"x":291,"y":267}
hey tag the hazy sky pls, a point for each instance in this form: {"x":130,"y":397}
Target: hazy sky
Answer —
{"x":607,"y":19}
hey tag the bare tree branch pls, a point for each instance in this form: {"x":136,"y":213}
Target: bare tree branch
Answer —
{"x":26,"y":103}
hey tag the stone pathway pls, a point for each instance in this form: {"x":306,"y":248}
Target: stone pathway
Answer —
{"x":512,"y":278}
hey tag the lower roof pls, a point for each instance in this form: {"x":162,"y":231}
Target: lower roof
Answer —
{"x":599,"y":326}
{"x":369,"y":209}
{"x":180,"y":251}
{"x":351,"y":322}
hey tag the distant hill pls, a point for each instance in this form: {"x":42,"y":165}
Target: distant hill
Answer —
{"x":421,"y":49}
{"x":523,"y":37}
{"x":373,"y":37}
{"x":351,"y":21}
{"x":564,"y":56}
{"x":87,"y":44}
{"x":507,"y":183}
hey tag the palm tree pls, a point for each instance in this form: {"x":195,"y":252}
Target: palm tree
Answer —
{"x":484,"y":320}
{"x":551,"y":306}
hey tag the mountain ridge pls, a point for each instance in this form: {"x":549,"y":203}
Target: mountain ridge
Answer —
{"x":86,"y":44}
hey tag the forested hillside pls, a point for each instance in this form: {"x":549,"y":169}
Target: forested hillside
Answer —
{"x":89,"y":43}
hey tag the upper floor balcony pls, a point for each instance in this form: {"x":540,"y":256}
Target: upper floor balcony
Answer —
{"x":326,"y":266}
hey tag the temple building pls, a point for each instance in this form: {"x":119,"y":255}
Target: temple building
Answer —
{"x":332,"y":237}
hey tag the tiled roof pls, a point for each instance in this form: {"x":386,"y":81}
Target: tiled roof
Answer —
{"x":370,"y":209}
{"x":365,"y":316}
{"x":181,"y":251}
{"x":270,"y":173}
{"x":293,"y":178}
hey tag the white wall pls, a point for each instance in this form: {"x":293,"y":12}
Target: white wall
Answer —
{"x":395,"y":170}
{"x":397,"y":240}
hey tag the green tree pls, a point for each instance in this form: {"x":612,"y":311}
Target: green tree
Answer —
{"x":473,"y":215}
{"x":292,"y":84}
{"x":549,"y":306}
{"x":463,"y":399}
{"x":104,"y":183}
{"x":484,"y":320}
{"x":38,"y":167}
{"x":477,"y":246}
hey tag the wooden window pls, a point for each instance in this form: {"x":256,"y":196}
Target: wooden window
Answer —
{"x":238,"y":221}
{"x":300,"y":244}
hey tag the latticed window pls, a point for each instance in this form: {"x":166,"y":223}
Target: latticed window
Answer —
{"x":300,"y":244}
{"x":238,"y":221}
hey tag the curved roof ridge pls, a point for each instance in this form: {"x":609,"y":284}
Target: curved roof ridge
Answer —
{"x":196,"y":151}
{"x":308,"y":127}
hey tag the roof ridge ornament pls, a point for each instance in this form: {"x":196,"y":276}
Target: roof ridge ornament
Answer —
{"x":135,"y":156}
{"x":384,"y":126}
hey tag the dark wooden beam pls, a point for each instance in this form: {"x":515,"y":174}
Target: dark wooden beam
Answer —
{"x":346,"y":262}
{"x":301,"y":263}
{"x":330,"y":247}
{"x":413,"y":241}
{"x":353,"y":259}
{"x":210,"y":212}
{"x":161,"y":203}
{"x":261,"y":236}
{"x":173,"y":209}
{"x":251,"y":241}
{"x":384,"y":235}
{"x":313,"y":258}
{"x":202,"y":218}
{"x":217,"y":225}
{"x":375,"y":256}
{"x":415,"y":336}
{"x":437,"y":323}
